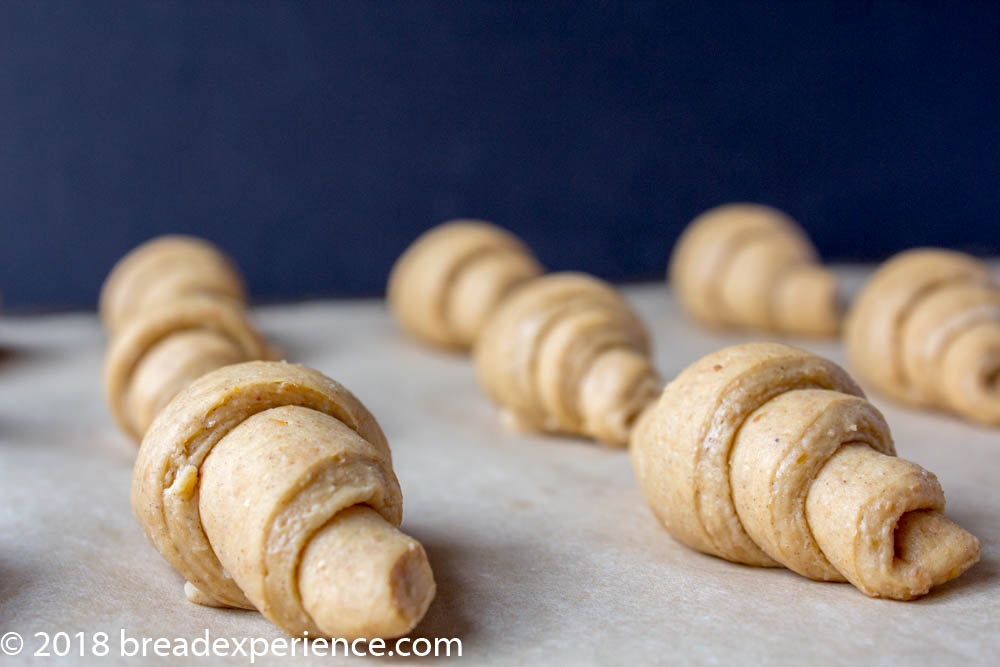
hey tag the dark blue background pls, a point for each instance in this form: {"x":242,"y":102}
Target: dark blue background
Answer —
{"x":314,"y":141}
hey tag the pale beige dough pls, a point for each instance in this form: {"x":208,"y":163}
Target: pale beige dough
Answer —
{"x":161,"y":350}
{"x":270,"y":486}
{"x":449,"y":281}
{"x":925,"y":329}
{"x":768,"y":455}
{"x":164,"y":269}
{"x":751,"y":266}
{"x":174,"y":308}
{"x":566,"y":354}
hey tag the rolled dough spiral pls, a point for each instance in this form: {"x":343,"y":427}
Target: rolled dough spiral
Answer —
{"x":566,"y":354}
{"x":162,"y":270}
{"x":449,"y":281}
{"x":270,"y":486}
{"x":162,"y":350}
{"x":768,"y":455}
{"x":174,"y":308}
{"x":925,"y":330}
{"x":751,"y":266}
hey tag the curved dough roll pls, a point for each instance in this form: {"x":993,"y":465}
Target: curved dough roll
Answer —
{"x":567,"y":354}
{"x":768,"y":455}
{"x":164,"y":269}
{"x":925,"y":329}
{"x":449,"y":281}
{"x":747,"y":265}
{"x":270,"y":486}
{"x":162,"y":350}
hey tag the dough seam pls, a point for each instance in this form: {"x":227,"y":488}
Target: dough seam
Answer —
{"x":722,"y":267}
{"x":313,"y":476}
{"x":444,"y":304}
{"x":702,"y":461}
{"x":905,"y":313}
{"x":203,"y":449}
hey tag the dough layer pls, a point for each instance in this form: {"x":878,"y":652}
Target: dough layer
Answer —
{"x":164,"y":269}
{"x":566,"y":354}
{"x":751,"y":266}
{"x":449,"y":281}
{"x":268,"y":485}
{"x":768,"y":455}
{"x":174,"y":310}
{"x":162,"y":350}
{"x":925,"y":330}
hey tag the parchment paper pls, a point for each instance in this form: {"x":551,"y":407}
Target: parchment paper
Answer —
{"x":543,"y":549}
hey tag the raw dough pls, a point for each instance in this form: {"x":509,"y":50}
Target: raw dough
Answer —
{"x":566,"y":354}
{"x":449,"y":281}
{"x":161,"y":350}
{"x":270,"y":486}
{"x":174,"y":308}
{"x":768,"y":455}
{"x":925,"y":330}
{"x":162,"y":270}
{"x":747,"y":265}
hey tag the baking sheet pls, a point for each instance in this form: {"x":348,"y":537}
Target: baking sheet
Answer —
{"x":543,"y":549}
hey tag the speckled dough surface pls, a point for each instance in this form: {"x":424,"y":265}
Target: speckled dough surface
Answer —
{"x":768,"y":455}
{"x":751,"y":266}
{"x":270,"y":486}
{"x":926,"y":330}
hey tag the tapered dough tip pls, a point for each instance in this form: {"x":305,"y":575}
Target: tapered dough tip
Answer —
{"x":361,"y":577}
{"x":971,"y":374}
{"x":412,"y":584}
{"x":807,"y":302}
{"x":619,"y":386}
{"x":936,"y":547}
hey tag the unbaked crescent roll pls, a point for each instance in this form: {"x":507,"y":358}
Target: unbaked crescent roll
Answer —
{"x":566,"y":354}
{"x":925,"y":330}
{"x":449,"y":281}
{"x":162,"y":350}
{"x":768,"y":455}
{"x":748,"y":265}
{"x":270,"y":486}
{"x":164,"y":269}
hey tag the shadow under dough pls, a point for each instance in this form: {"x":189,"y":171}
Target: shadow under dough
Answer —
{"x":447,"y":615}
